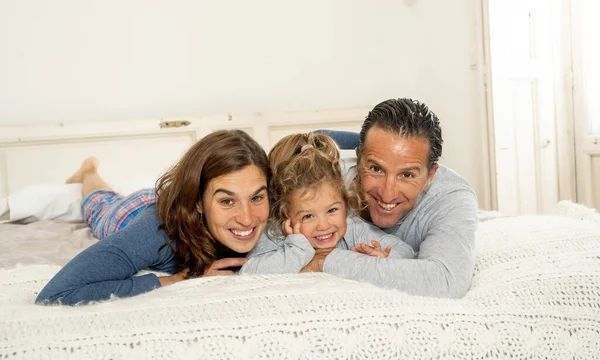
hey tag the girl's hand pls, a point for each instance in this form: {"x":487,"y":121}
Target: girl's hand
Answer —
{"x":168,"y":280}
{"x":374,"y":250}
{"x":316,"y":264}
{"x":288,"y":230}
{"x":219,"y":267}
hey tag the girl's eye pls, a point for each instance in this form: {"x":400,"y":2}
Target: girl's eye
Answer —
{"x":332,"y":210}
{"x":257,"y":198}
{"x":307,"y":217}
{"x":227,"y":202}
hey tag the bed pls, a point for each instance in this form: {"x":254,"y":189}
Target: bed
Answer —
{"x":535,"y":294}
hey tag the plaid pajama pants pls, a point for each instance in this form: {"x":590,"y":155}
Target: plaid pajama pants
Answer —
{"x":107,"y":212}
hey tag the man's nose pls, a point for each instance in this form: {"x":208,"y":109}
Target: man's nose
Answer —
{"x":388,"y":191}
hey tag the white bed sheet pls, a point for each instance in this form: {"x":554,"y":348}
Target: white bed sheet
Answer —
{"x":534,"y":295}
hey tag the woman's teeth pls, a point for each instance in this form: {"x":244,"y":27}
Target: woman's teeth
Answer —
{"x":242,"y":233}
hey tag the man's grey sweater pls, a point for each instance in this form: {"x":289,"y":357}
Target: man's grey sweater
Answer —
{"x":440,"y":228}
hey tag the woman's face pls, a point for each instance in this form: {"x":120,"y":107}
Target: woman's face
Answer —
{"x":236,"y":208}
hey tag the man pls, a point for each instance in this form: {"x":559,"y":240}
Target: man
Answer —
{"x":407,"y":193}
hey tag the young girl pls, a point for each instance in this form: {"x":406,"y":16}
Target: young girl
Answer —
{"x":312,"y":210}
{"x":210,"y":210}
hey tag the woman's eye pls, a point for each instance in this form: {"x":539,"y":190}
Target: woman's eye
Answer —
{"x":227,"y":202}
{"x":257,"y":198}
{"x":332,"y":210}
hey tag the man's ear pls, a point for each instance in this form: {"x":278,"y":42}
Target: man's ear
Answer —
{"x":356,"y":151}
{"x":431,"y":175}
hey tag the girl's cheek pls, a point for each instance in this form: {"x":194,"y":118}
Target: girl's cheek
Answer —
{"x":304,"y":230}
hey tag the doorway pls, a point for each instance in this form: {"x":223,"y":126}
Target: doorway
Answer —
{"x":522,"y":41}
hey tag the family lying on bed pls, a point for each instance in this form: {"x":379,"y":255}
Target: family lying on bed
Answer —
{"x":395,"y":219}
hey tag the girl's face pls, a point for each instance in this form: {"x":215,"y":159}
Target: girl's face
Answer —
{"x":321,"y":213}
{"x":236,"y":208}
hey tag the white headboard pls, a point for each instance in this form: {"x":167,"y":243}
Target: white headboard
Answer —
{"x":133,"y":154}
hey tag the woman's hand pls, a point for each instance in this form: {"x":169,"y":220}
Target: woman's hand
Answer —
{"x":288,"y":229}
{"x":374,"y":250}
{"x":168,"y":280}
{"x":218,"y":267}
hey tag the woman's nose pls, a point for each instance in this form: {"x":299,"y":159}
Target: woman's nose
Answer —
{"x":245,"y":216}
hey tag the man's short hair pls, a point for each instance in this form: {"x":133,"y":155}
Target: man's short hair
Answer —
{"x":408,"y":118}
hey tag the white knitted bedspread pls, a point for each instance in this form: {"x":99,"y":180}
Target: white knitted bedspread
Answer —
{"x":535,"y":295}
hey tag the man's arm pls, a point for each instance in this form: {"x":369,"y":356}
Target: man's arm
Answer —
{"x":445,"y":262}
{"x":278,"y":257}
{"x":363,"y":232}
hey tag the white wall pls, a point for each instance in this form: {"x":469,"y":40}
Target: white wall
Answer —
{"x":447,"y":71}
{"x":75,"y":60}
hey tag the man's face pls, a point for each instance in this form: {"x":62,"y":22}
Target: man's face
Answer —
{"x":393,"y":174}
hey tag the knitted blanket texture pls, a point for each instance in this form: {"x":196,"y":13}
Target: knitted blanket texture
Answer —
{"x":535,"y":294}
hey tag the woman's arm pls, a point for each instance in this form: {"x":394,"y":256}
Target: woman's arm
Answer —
{"x":106,"y":268}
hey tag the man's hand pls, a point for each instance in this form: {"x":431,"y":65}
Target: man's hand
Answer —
{"x":374,"y":250}
{"x":218,"y":267}
{"x":316,"y":264}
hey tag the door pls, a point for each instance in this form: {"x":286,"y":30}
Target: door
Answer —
{"x":585,"y":27}
{"x":522,"y":70}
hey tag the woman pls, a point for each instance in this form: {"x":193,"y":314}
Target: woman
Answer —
{"x":210,"y":210}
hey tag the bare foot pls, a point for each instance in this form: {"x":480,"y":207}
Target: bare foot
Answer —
{"x":88,"y":165}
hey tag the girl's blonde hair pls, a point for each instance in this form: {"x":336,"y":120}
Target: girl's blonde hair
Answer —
{"x":302,"y":162}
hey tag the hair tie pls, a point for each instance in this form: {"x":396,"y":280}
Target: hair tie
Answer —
{"x":306,"y":147}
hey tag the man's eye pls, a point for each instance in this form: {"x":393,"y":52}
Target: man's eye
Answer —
{"x":374,"y":168}
{"x":408,"y":175}
{"x":227,"y":202}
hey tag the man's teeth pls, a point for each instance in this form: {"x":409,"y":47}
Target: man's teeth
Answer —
{"x":387,"y":206}
{"x":324,"y":237}
{"x":242,"y":233}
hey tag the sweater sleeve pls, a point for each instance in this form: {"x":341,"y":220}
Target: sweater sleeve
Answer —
{"x":445,"y":262}
{"x":363,"y":232}
{"x":107,"y":268}
{"x":278,"y":257}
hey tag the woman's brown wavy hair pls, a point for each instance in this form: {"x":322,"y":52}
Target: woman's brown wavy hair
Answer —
{"x":295,"y":169}
{"x":181,"y":188}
